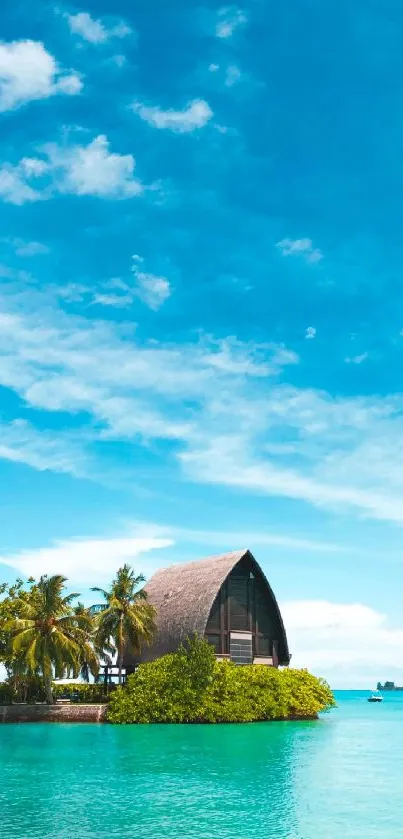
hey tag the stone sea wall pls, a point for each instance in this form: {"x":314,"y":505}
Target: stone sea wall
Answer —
{"x":52,"y":713}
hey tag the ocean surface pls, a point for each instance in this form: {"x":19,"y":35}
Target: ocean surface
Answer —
{"x":338,"y":778}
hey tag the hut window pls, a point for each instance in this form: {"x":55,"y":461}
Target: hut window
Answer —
{"x":264,"y":645}
{"x":215,"y":641}
{"x":239,"y":613}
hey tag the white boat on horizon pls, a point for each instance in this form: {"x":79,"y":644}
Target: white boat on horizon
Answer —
{"x":376,"y":696}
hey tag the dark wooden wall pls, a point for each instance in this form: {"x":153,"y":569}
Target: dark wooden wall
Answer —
{"x":244,"y":603}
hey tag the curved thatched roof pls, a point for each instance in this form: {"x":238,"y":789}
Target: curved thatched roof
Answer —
{"x":183,"y":596}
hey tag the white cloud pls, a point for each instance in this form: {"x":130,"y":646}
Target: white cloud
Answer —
{"x":236,"y":357}
{"x":356,"y":359}
{"x":233,"y":422}
{"x":250,"y":539}
{"x":310,"y":332}
{"x":23,"y":248}
{"x":116,"y":301}
{"x":322,"y":614}
{"x":89,"y":561}
{"x":83,"y":559}
{"x":14,"y":187}
{"x":21,"y":443}
{"x":72,"y":292}
{"x":320,"y":636}
{"x":33,"y":167}
{"x":300,"y":247}
{"x":232,"y":75}
{"x":230,"y":18}
{"x":342,"y":454}
{"x":195,"y":115}
{"x":96,"y":31}
{"x":150,"y":288}
{"x":61,"y":363}
{"x":119,"y":60}
{"x":94,"y":170}
{"x":213,"y":68}
{"x":29,"y":72}
{"x":74,"y":169}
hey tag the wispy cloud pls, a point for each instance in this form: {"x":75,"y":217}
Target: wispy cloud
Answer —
{"x":75,"y":169}
{"x":232,"y":75}
{"x":21,"y":442}
{"x":244,"y":538}
{"x":219,"y":401}
{"x":310,"y":333}
{"x":144,"y":545}
{"x":96,"y":30}
{"x":357,"y":359}
{"x":340,"y":460}
{"x":58,"y":362}
{"x":29,"y":72}
{"x":153,"y":290}
{"x":23,"y":248}
{"x":195,"y":115}
{"x":229,"y":19}
{"x":86,"y":561}
{"x":119,"y":60}
{"x":300,"y":247}
{"x":237,"y":357}
{"x":319,"y":634}
{"x":14,"y":186}
{"x":115,"y":301}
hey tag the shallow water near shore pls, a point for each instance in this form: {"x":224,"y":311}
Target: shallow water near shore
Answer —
{"x":339,"y":777}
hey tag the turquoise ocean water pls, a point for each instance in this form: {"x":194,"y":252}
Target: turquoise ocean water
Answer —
{"x":339,"y":778}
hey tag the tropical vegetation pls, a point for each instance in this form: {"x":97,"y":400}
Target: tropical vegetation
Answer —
{"x":191,"y":686}
{"x":127,"y":619}
{"x":45,"y":634}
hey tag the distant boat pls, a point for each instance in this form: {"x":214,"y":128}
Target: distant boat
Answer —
{"x":375,"y":697}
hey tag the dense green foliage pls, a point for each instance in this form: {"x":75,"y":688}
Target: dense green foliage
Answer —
{"x":34,"y":692}
{"x":45,"y":635}
{"x":127,"y":618}
{"x":7,"y":694}
{"x":191,"y":686}
{"x":12,"y":602}
{"x":83,"y":692}
{"x":49,"y":636}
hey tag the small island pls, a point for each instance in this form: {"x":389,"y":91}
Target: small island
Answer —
{"x":388,"y":686}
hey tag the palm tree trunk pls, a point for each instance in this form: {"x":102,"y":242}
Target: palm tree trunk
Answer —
{"x":120,"y":651}
{"x":48,"y":689}
{"x":120,"y":665}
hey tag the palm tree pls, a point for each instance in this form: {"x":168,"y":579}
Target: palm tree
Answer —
{"x":103,"y":652}
{"x":49,"y":636}
{"x":128,"y":620}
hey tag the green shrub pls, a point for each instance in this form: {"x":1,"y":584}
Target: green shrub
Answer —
{"x":82,"y":692}
{"x":26,"y":688}
{"x":191,"y":686}
{"x":31,"y":690}
{"x":6,"y":693}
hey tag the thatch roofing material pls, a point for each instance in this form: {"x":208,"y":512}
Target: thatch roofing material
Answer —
{"x":183,"y":596}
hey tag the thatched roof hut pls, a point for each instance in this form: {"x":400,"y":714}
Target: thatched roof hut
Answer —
{"x":225,"y":598}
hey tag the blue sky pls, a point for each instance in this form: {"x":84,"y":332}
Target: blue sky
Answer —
{"x":201,"y":313}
